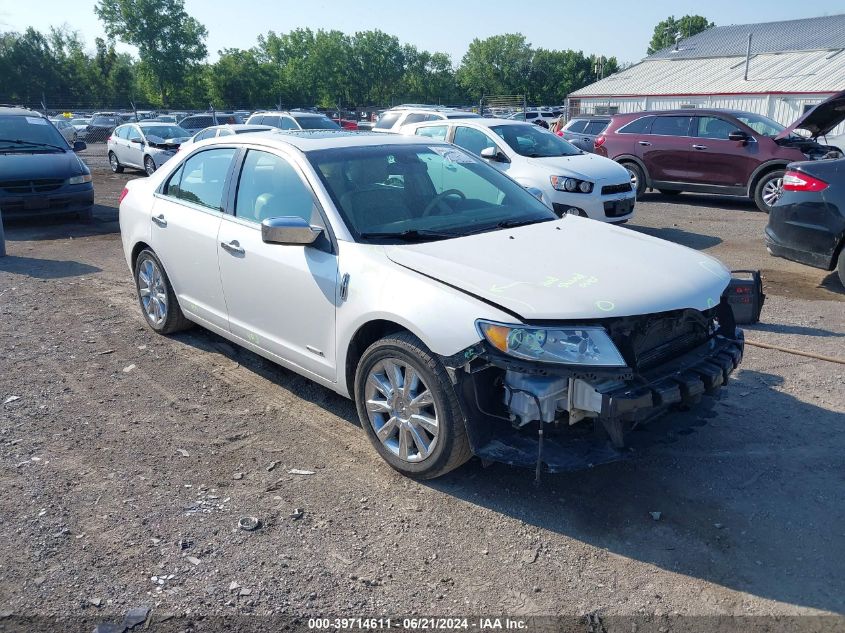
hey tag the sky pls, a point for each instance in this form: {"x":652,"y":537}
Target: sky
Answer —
{"x":619,"y":28}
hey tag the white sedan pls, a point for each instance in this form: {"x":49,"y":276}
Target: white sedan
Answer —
{"x":147,"y":145}
{"x":458,"y":311}
{"x":570,"y":180}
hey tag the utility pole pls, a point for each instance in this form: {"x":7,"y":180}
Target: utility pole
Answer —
{"x":747,"y":57}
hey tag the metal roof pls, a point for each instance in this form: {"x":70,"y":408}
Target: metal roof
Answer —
{"x":802,"y":72}
{"x":823,"y":33}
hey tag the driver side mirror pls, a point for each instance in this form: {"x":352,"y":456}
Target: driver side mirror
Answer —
{"x":289,"y":230}
{"x":137,"y":139}
{"x":79,"y":146}
{"x":738,"y":135}
{"x":492,"y":153}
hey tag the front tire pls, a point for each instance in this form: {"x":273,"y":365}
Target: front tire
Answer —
{"x":768,"y":190}
{"x":155,"y":295}
{"x":149,"y":166}
{"x":637,"y":176}
{"x":409,"y":409}
{"x":115,"y":165}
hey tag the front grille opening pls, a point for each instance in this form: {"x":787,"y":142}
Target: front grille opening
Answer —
{"x":611,"y":189}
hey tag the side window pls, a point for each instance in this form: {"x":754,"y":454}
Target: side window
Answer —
{"x":671,"y":125}
{"x":270,"y":187}
{"x":471,"y":139}
{"x":434,"y":131}
{"x":576,"y":127}
{"x":256,"y":119}
{"x":289,"y":124}
{"x":171,"y":188}
{"x":713,"y":127}
{"x":203,"y":178}
{"x":638,"y":126}
{"x":120,"y":132}
{"x":596,"y":127}
{"x":415,"y":117}
{"x":531,"y":115}
{"x":205,"y":134}
{"x":133,"y":133}
{"x":275,"y":121}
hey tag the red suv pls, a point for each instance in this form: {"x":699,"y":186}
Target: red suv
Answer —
{"x":716,"y":151}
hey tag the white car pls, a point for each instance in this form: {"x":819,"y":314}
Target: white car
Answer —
{"x":225,"y":130}
{"x":461,"y":315}
{"x":145,"y":145}
{"x":393,"y":119}
{"x":570,"y":180}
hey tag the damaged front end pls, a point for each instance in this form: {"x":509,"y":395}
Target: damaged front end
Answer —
{"x":559,"y":416}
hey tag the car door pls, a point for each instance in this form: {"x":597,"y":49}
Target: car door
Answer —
{"x":715,"y":159}
{"x":474,"y":140}
{"x":665,"y":151}
{"x":186,"y":220}
{"x":281,"y":298}
{"x":133,"y":147}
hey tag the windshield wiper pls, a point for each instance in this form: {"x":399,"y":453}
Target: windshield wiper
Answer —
{"x":510,"y":224}
{"x":18,"y":141}
{"x":410,"y":235}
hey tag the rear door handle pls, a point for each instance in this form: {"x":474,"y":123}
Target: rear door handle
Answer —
{"x":159,"y":219}
{"x":233,"y":247}
{"x":699,"y":147}
{"x":644,"y":143}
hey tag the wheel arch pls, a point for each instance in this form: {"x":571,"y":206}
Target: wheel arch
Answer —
{"x":136,"y":250}
{"x":761,"y":171}
{"x":630,"y":158}
{"x":367,"y":334}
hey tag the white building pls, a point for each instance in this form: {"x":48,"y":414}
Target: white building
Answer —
{"x":793,"y":65}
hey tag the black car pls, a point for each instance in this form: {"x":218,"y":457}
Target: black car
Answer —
{"x":40,"y":173}
{"x":101,"y":126}
{"x":198,"y":122}
{"x":807,"y":223}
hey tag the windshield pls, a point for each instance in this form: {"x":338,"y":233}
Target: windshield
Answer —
{"x":422,"y":192}
{"x":164,"y":131}
{"x":761,"y":124}
{"x":316,"y":123}
{"x":33,"y":132}
{"x":534,"y":141}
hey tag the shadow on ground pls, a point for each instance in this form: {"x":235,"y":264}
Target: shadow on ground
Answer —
{"x":57,"y":227}
{"x":732,"y":203}
{"x":45,"y":268}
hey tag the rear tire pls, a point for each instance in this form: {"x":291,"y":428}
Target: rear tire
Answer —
{"x":768,"y":190}
{"x":115,"y":165}
{"x":151,"y":282}
{"x":392,"y":375}
{"x":637,"y":178}
{"x":840,"y":266}
{"x":149,"y":165}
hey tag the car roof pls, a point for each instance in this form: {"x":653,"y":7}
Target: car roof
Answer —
{"x":293,"y":113}
{"x":477,"y":122}
{"x":314,"y":140}
{"x":15,"y":111}
{"x":684,"y":111}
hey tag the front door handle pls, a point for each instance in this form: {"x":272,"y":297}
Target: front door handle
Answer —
{"x":233,"y":247}
{"x":699,"y":147}
{"x":644,"y":143}
{"x":159,"y":219}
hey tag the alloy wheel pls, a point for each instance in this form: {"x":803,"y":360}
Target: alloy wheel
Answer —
{"x":149,"y":166}
{"x":772,"y":191}
{"x":635,"y":181}
{"x":152,"y":292}
{"x":401,"y":410}
{"x":113,"y":162}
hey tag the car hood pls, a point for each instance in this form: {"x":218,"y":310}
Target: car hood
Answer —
{"x":573,"y":268}
{"x":585,"y":167}
{"x":21,"y":166}
{"x":821,"y":119}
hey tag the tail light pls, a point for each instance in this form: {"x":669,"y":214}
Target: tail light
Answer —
{"x":799,"y":181}
{"x":108,"y":139}
{"x":600,"y":140}
{"x":122,"y":195}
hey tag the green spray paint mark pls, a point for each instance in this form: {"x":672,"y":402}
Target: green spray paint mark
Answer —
{"x":605,"y":306}
{"x":710,"y":302}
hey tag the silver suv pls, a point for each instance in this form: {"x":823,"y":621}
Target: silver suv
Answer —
{"x":393,"y":119}
{"x":293,"y":120}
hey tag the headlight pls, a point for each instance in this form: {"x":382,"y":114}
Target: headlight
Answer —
{"x":587,"y":345}
{"x":572,"y":185}
{"x":78,"y":180}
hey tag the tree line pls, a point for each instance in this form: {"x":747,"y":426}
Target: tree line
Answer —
{"x":304,"y":67}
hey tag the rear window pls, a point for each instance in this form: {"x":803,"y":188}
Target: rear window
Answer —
{"x":576,"y":126}
{"x":638,"y":126}
{"x":316,"y":123}
{"x":596,"y":127}
{"x":387,"y":120}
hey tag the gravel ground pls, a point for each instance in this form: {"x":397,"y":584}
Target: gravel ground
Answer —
{"x":126,"y":460}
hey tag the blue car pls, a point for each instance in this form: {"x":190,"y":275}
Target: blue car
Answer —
{"x":40,"y":173}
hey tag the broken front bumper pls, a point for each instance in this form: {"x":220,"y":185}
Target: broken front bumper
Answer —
{"x":621,"y":406}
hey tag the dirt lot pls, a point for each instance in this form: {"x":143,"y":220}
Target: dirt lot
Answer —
{"x":128,"y":458}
